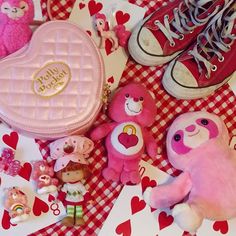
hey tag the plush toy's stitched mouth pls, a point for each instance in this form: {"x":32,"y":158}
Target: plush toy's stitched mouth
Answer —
{"x":127,"y":105}
{"x":191,"y":135}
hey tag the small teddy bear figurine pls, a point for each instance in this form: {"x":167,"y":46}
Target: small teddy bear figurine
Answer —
{"x":16,"y":204}
{"x":43,"y":174}
{"x":15,"y":18}
{"x":133,"y":109}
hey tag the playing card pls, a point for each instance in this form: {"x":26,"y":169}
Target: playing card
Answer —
{"x":117,"y":13}
{"x":44,"y":210}
{"x":232,"y":83}
{"x":137,"y":218}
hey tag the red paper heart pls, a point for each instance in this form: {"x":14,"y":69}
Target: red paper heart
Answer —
{"x":108,"y":46}
{"x":122,"y":18}
{"x":25,"y":171}
{"x":124,"y":228}
{"x":221,"y":226}
{"x":39,"y":207}
{"x":11,"y":140}
{"x":94,"y":7}
{"x":137,"y":205}
{"x":111,"y":80}
{"x":51,"y":198}
{"x":146,"y":182}
{"x":164,"y":220}
{"x":128,"y":140}
{"x":6,"y":224}
{"x":81,"y":5}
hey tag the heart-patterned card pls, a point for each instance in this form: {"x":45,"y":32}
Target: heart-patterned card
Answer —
{"x":117,"y":12}
{"x":44,"y":210}
{"x":137,"y":219}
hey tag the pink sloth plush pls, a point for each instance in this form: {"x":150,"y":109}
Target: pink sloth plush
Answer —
{"x":15,"y":17}
{"x":132,"y":108}
{"x":198,"y":145}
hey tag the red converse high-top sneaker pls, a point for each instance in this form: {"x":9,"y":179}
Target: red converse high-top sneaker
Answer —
{"x":207,"y":64}
{"x":171,"y":29}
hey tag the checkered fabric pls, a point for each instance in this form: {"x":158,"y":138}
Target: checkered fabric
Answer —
{"x":105,"y":193}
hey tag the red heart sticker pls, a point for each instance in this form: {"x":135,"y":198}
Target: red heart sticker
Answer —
{"x":124,"y":228}
{"x":137,"y":205}
{"x":51,"y":198}
{"x":164,"y":220}
{"x":146,"y":182}
{"x":25,"y":171}
{"x":221,"y":226}
{"x":81,"y":5}
{"x":122,"y":18}
{"x":94,"y":7}
{"x":11,"y":140}
{"x":39,"y":207}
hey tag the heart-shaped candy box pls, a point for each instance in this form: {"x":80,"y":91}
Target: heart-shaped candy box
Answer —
{"x":53,"y":88}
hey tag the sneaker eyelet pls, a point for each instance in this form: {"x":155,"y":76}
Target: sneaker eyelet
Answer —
{"x":181,"y":37}
{"x":167,"y":17}
{"x":228,"y":46}
{"x":172,"y":44}
{"x":214,"y":68}
{"x":221,"y":59}
{"x":156,"y":22}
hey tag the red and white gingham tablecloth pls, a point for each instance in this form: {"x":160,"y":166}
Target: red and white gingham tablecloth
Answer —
{"x":105,"y":193}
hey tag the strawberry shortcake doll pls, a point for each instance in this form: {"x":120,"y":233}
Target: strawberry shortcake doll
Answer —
{"x":73,"y":193}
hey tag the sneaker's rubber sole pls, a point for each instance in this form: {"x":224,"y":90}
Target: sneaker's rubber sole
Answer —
{"x":181,"y":92}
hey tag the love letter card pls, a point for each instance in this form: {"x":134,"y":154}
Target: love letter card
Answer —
{"x":44,"y":210}
{"x":131,"y":216}
{"x":117,"y":12}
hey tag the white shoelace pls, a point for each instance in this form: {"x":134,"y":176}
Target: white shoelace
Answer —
{"x":215,"y":37}
{"x":181,"y":20}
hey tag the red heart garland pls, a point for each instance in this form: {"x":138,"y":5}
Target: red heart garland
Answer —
{"x":164,"y":220}
{"x":39,"y":207}
{"x":146,"y":182}
{"x":25,"y":171}
{"x":11,"y":140}
{"x":221,"y":226}
{"x":137,"y":205}
{"x":81,"y":5}
{"x":122,"y":18}
{"x":124,"y":228}
{"x":94,"y":7}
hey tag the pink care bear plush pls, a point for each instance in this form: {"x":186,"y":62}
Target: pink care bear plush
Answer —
{"x":15,"y":17}
{"x":132,"y":109}
{"x":198,"y":145}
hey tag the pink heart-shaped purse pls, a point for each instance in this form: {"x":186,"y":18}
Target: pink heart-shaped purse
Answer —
{"x":54,"y":86}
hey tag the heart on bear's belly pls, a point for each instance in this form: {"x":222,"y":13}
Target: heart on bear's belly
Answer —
{"x":128,"y":140}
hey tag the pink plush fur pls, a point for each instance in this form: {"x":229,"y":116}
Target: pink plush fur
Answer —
{"x":132,"y":108}
{"x":15,"y":17}
{"x":198,"y":144}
